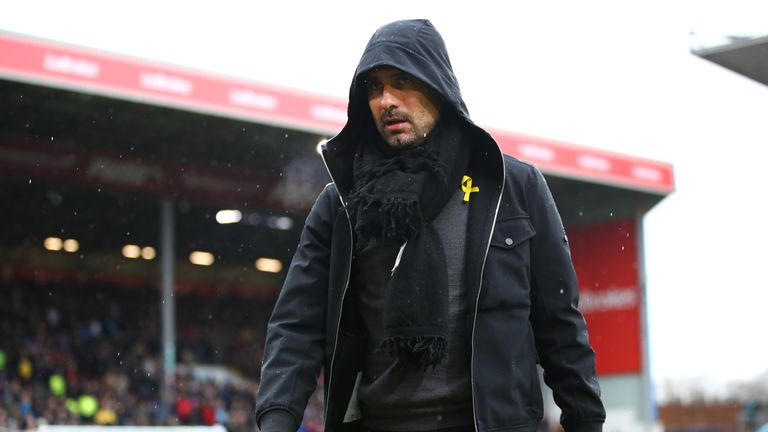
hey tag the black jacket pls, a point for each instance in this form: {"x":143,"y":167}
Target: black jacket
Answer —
{"x":520,"y":280}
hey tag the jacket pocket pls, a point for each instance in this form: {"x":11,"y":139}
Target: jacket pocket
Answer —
{"x":506,"y":377}
{"x":510,"y":233}
{"x":506,"y":279}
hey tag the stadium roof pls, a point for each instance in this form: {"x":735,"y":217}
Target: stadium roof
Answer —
{"x":95,"y":72}
{"x":745,"y":54}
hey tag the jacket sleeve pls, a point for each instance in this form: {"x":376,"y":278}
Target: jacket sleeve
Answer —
{"x":295,"y":338}
{"x":559,"y":328}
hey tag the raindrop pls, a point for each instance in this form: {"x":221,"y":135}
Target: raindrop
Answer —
{"x":561,"y":291}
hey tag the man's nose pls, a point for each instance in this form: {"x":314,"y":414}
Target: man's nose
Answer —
{"x":389,"y":98}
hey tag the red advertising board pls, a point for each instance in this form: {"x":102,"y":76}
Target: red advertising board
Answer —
{"x":605,"y":256}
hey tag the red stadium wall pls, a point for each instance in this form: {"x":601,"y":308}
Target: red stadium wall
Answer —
{"x":605,"y":256}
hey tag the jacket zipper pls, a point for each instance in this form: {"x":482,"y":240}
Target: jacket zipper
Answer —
{"x":343,"y":294}
{"x":477,"y":300}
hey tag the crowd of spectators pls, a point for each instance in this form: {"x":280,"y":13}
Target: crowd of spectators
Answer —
{"x":90,"y":354}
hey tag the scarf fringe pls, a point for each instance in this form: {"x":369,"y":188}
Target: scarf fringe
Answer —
{"x":398,"y":219}
{"x":430,"y":350}
{"x":401,"y":220}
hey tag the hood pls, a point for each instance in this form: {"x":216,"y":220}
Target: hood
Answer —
{"x":413,"y":46}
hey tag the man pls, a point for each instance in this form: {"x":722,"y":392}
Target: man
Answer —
{"x":432,"y":273}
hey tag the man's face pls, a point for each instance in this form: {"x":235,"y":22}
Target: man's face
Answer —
{"x":404,"y":109}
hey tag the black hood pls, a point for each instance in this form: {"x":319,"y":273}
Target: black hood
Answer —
{"x":413,"y":46}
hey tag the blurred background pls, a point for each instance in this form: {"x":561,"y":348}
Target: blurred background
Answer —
{"x":157,"y":160}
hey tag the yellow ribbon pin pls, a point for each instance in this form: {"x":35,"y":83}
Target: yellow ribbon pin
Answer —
{"x":466,"y":187}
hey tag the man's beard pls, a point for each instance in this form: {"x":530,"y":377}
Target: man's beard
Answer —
{"x":400,"y":140}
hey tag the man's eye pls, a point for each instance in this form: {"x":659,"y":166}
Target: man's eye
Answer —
{"x":405,"y":80}
{"x":373,"y":86}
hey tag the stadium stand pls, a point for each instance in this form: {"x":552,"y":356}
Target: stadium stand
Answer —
{"x":74,"y":353}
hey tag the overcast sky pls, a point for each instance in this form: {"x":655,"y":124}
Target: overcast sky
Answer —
{"x":612,"y":75}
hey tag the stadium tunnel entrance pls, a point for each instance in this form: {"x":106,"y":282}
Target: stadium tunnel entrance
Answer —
{"x":109,"y":163}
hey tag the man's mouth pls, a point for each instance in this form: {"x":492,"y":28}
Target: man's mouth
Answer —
{"x":394,"y":123}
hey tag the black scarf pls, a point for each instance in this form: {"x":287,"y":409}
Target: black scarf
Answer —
{"x":396,"y":196}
